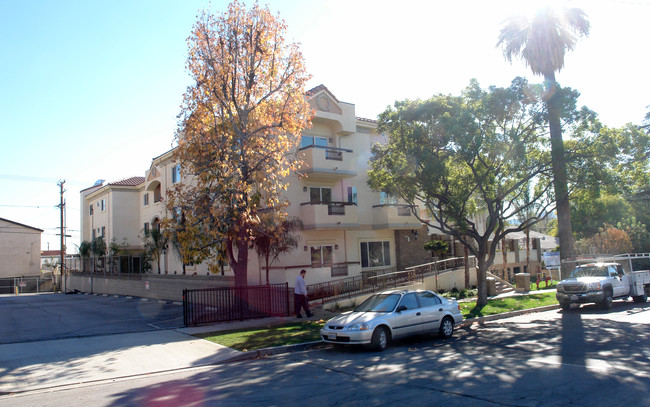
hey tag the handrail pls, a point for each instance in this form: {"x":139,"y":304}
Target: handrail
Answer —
{"x":347,"y":287}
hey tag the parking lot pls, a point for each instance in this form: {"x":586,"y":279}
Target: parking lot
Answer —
{"x":39,"y":317}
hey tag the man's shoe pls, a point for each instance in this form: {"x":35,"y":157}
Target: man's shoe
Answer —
{"x":310,"y":315}
{"x":298,"y":316}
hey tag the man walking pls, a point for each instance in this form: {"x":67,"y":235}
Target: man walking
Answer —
{"x":300,"y":295}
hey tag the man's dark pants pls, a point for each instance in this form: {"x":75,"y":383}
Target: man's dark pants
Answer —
{"x":300,"y":300}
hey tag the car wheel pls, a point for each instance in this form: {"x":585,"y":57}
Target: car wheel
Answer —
{"x":607,"y":302}
{"x":380,"y":338}
{"x":446,"y":327}
{"x":566,"y":306}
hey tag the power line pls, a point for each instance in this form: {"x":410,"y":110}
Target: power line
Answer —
{"x":30,"y":206}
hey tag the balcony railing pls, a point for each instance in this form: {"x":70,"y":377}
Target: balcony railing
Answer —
{"x":394,"y":216}
{"x":323,"y":161}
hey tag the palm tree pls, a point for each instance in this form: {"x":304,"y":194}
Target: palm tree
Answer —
{"x":273,"y":239}
{"x":542,"y":43}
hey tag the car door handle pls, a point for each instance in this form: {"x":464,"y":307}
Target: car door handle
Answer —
{"x":439,"y":309}
{"x":418,"y":313}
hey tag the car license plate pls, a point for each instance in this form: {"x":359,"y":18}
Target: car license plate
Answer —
{"x":331,"y":337}
{"x":574,"y":298}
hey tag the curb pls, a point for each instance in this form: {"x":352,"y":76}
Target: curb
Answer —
{"x":480,"y":320}
{"x":259,"y":353}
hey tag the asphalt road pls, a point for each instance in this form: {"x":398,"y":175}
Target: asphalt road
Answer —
{"x":39,"y":317}
{"x":587,"y":357}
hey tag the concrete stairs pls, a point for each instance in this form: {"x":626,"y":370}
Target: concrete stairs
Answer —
{"x":502,"y":286}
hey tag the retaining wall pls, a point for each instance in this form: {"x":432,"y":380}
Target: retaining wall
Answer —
{"x":162,"y":287}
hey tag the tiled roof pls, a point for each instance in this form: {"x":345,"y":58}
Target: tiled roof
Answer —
{"x":129,"y":182}
{"x":319,"y":88}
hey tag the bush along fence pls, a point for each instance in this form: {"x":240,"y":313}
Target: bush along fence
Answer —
{"x":210,"y":305}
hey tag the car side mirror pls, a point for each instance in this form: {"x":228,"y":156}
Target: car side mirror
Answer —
{"x":402,"y":308}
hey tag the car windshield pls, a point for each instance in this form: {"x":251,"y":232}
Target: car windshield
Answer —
{"x":379,"y":303}
{"x":590,"y":271}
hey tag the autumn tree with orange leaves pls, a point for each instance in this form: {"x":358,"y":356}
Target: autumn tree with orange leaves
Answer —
{"x":239,"y":127}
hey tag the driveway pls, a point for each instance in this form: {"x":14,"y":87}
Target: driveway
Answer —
{"x":38,"y":317}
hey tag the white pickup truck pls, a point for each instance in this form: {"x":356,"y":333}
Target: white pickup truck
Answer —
{"x":603,"y":281}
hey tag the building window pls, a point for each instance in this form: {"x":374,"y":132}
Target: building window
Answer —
{"x":375,"y":254}
{"x":317,"y":194}
{"x":387,"y":199}
{"x":146,"y":228}
{"x":307,"y":141}
{"x":321,"y":256}
{"x":103,"y":232}
{"x":91,"y":209}
{"x":102,"y":204}
{"x":176,"y":174}
{"x":157,"y":194}
{"x":352,"y":195}
{"x":146,"y":199}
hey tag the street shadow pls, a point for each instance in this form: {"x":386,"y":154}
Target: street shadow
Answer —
{"x":562,"y":361}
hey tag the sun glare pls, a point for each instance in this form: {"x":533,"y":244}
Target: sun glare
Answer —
{"x":529,"y":8}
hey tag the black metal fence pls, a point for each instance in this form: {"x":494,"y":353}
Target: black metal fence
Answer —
{"x":209,"y":305}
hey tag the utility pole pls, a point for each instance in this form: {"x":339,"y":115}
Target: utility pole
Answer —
{"x":62,"y":206}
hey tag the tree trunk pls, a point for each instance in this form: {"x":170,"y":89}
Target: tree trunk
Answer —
{"x":481,"y":283}
{"x":558,"y":160}
{"x":466,"y":251}
{"x":527,"y":250}
{"x":504,"y":255}
{"x":240,"y":266}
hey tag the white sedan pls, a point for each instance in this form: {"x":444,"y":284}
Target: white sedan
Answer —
{"x":391,"y":315}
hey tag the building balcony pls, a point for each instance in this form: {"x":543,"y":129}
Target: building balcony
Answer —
{"x":394,"y":216}
{"x":329,"y":215}
{"x":327,"y":163}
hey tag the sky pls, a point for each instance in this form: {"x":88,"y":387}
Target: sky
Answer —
{"x":91,"y":90}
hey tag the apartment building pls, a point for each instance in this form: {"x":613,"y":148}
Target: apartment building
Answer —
{"x":349,"y":230}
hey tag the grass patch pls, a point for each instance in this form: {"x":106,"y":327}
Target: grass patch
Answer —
{"x":507,"y":304}
{"x":267,"y":337}
{"x":542,"y":285}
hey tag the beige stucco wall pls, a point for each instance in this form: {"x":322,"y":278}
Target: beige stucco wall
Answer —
{"x":20,"y":250}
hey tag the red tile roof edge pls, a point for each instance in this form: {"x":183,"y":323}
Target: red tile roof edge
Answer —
{"x":131,"y":182}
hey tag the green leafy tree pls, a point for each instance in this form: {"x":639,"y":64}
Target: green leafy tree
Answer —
{"x":273,"y":238}
{"x":542,"y":43}
{"x":638,"y":233}
{"x":85,"y":249}
{"x":466,"y":158}
{"x":437,"y":247}
{"x":241,"y":120}
{"x":98,"y":246}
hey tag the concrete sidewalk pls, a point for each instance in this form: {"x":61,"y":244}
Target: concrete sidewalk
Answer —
{"x":45,"y":364}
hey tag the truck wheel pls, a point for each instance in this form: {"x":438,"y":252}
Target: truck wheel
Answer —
{"x":607,"y":302}
{"x":640,"y":298}
{"x":566,"y":306}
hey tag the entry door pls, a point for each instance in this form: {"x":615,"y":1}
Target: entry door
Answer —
{"x":408,"y":321}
